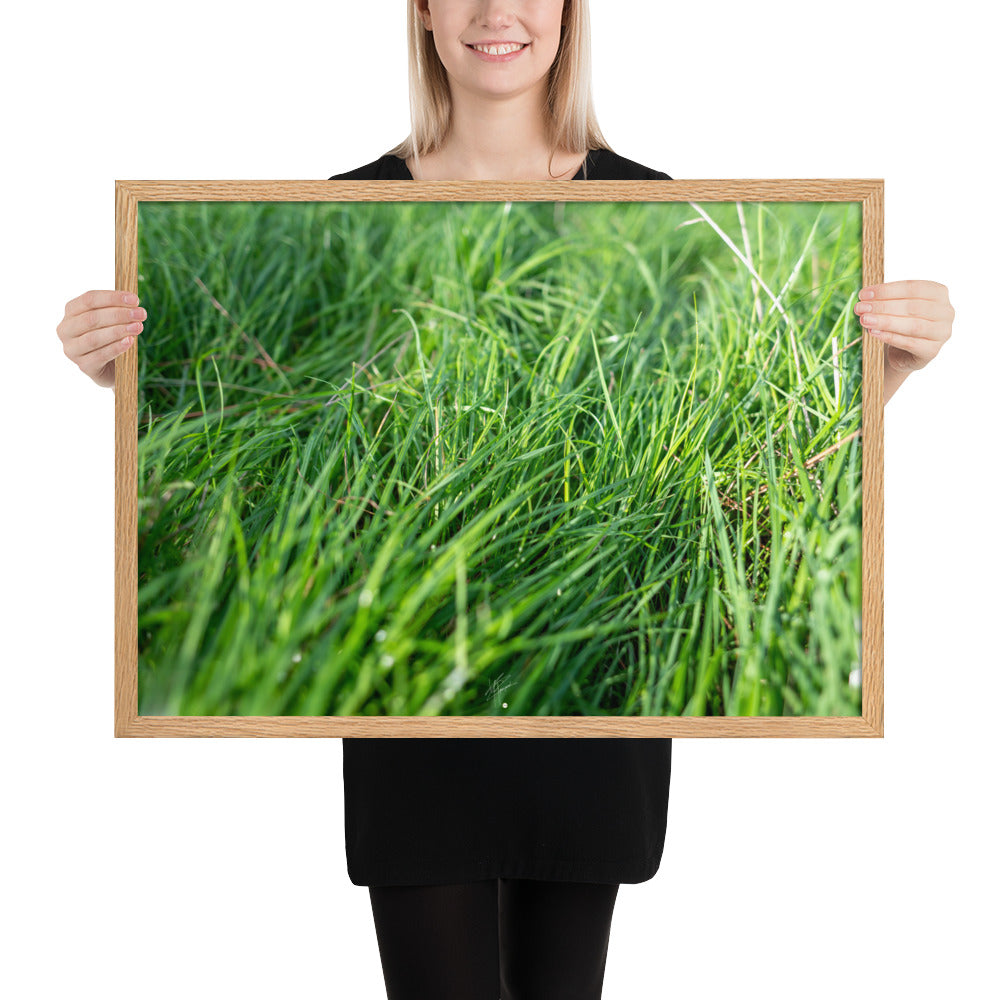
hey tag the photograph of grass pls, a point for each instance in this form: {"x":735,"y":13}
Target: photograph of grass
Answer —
{"x":486,"y":458}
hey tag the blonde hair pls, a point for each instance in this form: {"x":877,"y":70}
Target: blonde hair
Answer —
{"x":571,"y":123}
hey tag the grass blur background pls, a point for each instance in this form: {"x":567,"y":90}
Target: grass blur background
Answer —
{"x":499,"y":459}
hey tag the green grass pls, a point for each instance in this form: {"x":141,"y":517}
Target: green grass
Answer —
{"x":488,"y":459}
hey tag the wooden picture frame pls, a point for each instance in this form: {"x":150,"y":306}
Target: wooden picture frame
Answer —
{"x":866,"y":194}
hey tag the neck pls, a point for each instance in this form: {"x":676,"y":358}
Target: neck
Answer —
{"x":497,"y":138}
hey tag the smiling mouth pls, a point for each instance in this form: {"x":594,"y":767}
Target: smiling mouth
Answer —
{"x":499,"y":50}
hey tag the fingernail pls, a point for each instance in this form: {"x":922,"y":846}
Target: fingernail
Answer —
{"x":130,"y":299}
{"x":867,"y":293}
{"x":863,"y":307}
{"x":134,"y":327}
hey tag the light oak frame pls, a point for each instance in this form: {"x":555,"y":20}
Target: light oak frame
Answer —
{"x":128,"y":195}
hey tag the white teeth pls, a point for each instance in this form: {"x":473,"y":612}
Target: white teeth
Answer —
{"x":498,"y":50}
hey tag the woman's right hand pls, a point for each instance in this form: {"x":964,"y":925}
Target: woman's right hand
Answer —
{"x":97,"y":327}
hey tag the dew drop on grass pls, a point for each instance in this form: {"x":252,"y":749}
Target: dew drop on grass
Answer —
{"x":380,"y":635}
{"x":365,"y":598}
{"x":387,"y":660}
{"x":504,"y":705}
{"x":854,"y":678}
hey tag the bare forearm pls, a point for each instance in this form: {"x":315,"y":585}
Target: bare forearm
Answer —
{"x":892,"y":380}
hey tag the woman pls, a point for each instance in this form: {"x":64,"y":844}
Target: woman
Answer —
{"x":493,"y":865}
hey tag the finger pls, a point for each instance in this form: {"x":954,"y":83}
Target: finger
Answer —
{"x":90,"y":364}
{"x":905,"y":290}
{"x":99,"y":319}
{"x":100,"y":300}
{"x":85,"y":344}
{"x":921,"y":308}
{"x":920,"y":348}
{"x":906,"y":326}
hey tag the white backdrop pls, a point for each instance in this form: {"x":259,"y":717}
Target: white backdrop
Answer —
{"x":215,"y":868}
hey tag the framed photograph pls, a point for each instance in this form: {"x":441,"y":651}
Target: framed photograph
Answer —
{"x":499,"y":459}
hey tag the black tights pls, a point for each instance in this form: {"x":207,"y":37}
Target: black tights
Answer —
{"x":513,"y":939}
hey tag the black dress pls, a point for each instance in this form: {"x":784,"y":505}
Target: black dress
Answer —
{"x":444,"y":810}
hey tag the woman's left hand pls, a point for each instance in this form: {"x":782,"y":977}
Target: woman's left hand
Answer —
{"x":912,"y":318}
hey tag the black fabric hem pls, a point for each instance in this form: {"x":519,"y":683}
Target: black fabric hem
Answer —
{"x":444,"y":871}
